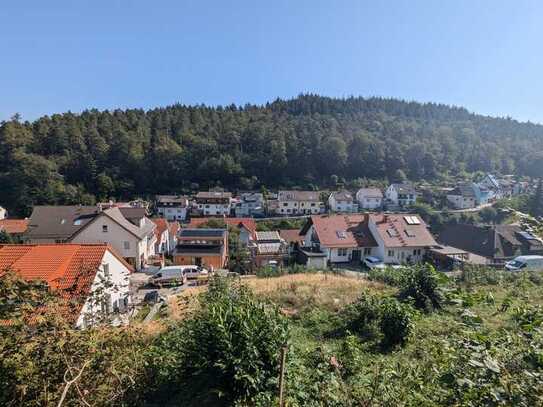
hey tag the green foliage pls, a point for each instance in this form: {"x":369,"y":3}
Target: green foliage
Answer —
{"x":420,"y":285}
{"x":395,"y":322}
{"x":5,"y":237}
{"x":277,"y":224}
{"x":230,"y":348}
{"x":387,"y":275}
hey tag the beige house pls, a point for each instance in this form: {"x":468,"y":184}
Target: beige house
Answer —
{"x":299,"y":203}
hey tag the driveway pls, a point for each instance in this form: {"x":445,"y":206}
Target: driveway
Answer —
{"x":139,"y":286}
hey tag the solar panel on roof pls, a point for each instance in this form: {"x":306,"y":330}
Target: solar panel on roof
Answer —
{"x":408,"y":219}
{"x":415,"y":220}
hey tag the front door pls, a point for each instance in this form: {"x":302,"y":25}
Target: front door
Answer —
{"x":198,"y":261}
{"x":356,"y":255}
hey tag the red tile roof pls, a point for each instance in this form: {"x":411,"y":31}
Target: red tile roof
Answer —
{"x":14,"y":226}
{"x":291,"y":235}
{"x":248,"y":223}
{"x":70,"y":268}
{"x":343,"y":231}
{"x":162,"y":225}
{"x":174,"y":228}
{"x":395,"y":231}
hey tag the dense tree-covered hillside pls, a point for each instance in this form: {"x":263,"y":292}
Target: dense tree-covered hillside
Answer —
{"x":70,"y":157}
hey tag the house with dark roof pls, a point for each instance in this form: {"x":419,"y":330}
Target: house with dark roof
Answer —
{"x":402,"y":195}
{"x":75,"y":272}
{"x":497,"y":243}
{"x":202,"y":247}
{"x":342,"y":201}
{"x":246,"y":226}
{"x":299,"y":203}
{"x":213,"y":203}
{"x":342,"y":238}
{"x":172,"y":207}
{"x":400,"y":238}
{"x":463,"y":196}
{"x":133,"y":237}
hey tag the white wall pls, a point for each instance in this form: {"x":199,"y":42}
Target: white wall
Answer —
{"x":298,"y":207}
{"x":460,"y":202}
{"x":366,"y":202}
{"x":118,"y":277}
{"x":115,"y":236}
{"x":3,"y":213}
{"x":173,"y":213}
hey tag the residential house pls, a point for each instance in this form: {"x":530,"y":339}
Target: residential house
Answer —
{"x":134,"y":240}
{"x":3,"y":213}
{"x":400,"y":238}
{"x":213,"y":203}
{"x":490,"y":183}
{"x":173,"y":228}
{"x":299,"y":203}
{"x":342,"y":201}
{"x":369,"y":198}
{"x":497,"y":243}
{"x":162,"y":234}
{"x":250,"y":204}
{"x":402,"y":195}
{"x":202,"y":247}
{"x":292,"y":238}
{"x":14,"y":227}
{"x":342,"y":238}
{"x":463,"y":196}
{"x":246,"y":226}
{"x":269,"y":247}
{"x":79,"y":273}
{"x":172,"y":207}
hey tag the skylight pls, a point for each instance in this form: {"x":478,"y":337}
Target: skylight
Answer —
{"x":412,"y":220}
{"x":341,"y":234}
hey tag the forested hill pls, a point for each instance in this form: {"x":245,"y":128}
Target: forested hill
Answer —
{"x":72,"y":158}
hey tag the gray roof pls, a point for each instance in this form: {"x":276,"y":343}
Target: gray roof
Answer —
{"x":343,"y":196}
{"x":371,"y":192}
{"x":197,"y":232}
{"x":464,"y":190}
{"x":195,"y":250}
{"x":59,"y":222}
{"x":133,"y":214}
{"x":405,"y":188}
{"x":174,"y":199}
{"x":213,"y":194}
{"x":299,"y":196}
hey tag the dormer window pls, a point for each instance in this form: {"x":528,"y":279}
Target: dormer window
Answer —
{"x":104,"y":228}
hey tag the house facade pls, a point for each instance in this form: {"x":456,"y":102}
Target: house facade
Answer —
{"x":172,"y":207}
{"x":202,"y":247}
{"x":299,"y":203}
{"x":213,"y":203}
{"x":402,"y":195}
{"x":79,"y":273}
{"x":342,"y":201}
{"x":269,"y":247}
{"x":250,"y":204}
{"x":400,"y":238}
{"x":369,"y":198}
{"x":162,"y":235}
{"x":463,"y":197}
{"x":3,"y":213}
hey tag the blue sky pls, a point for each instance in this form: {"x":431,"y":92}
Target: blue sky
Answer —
{"x":64,"y":55}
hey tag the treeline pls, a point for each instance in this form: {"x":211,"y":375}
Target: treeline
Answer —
{"x":78,"y":158}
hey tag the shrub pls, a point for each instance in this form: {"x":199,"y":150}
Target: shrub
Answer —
{"x":395,"y":322}
{"x":362,"y":317}
{"x":230,"y":348}
{"x":387,"y":275}
{"x":420,"y":284}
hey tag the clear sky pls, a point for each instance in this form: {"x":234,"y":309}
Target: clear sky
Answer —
{"x":61,"y":55}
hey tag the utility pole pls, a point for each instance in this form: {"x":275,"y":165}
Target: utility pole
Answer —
{"x":282,"y":367}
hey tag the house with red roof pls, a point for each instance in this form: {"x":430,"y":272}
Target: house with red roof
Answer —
{"x":78,"y":272}
{"x":400,"y":238}
{"x":14,"y":227}
{"x":162,"y":233}
{"x":342,"y":238}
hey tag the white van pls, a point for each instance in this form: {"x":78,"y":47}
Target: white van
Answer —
{"x":525,"y":263}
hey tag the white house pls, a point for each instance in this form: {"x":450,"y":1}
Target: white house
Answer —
{"x":93,"y":277}
{"x":341,"y":238}
{"x":135,"y":244}
{"x":250,"y":204}
{"x":401,"y":194}
{"x":172,"y":207}
{"x":369,"y":198}
{"x":400,"y":238}
{"x":299,"y":203}
{"x":213,"y":203}
{"x":463,"y":197}
{"x":342,"y":201}
{"x":3,"y":213}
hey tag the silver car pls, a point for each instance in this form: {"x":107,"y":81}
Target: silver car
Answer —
{"x":169,"y":276}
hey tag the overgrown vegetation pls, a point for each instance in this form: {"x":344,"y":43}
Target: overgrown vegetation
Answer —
{"x":351,"y":342}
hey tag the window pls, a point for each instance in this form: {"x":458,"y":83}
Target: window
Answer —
{"x":367,"y":251}
{"x":104,"y":228}
{"x":126,"y":245}
{"x":416,"y":252}
{"x":391,"y":253}
{"x":285,"y":204}
{"x":342,"y":252}
{"x":106,"y":269}
{"x":313,"y":204}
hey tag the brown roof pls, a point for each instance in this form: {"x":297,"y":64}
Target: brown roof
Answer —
{"x":343,"y":231}
{"x":161,"y":226}
{"x":371,"y":192}
{"x":343,"y":196}
{"x":213,"y":194}
{"x":291,"y":235}
{"x":299,"y":196}
{"x":14,"y":226}
{"x":402,"y":230}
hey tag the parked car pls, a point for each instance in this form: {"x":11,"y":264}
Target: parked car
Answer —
{"x":195,"y":271}
{"x":525,"y":263}
{"x":372,"y":262}
{"x":169,"y":276}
